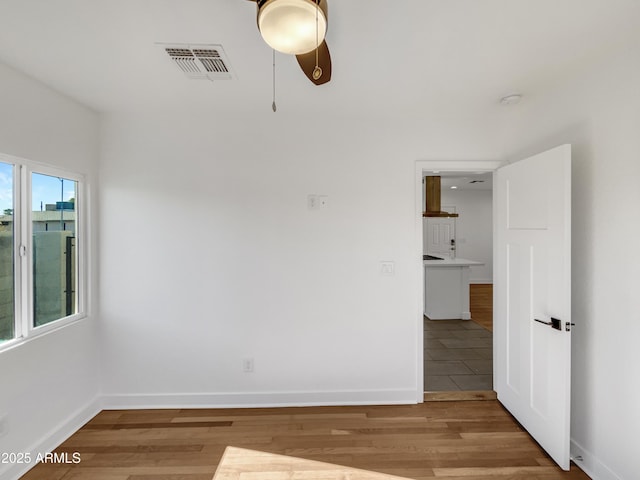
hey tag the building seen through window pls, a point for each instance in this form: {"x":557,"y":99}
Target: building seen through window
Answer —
{"x":52,"y":268}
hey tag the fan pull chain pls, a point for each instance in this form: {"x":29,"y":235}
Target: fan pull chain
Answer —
{"x":317,"y":71}
{"x":273,"y":104}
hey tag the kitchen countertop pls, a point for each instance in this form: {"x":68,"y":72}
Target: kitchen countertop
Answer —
{"x":451,"y":262}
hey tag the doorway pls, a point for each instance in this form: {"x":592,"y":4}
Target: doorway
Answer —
{"x":457,"y":354}
{"x":532,"y":257}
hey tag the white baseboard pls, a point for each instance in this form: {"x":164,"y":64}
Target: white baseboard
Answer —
{"x":258,"y":400}
{"x":447,"y":315}
{"x":487,"y":281}
{"x":54,"y":438}
{"x":590,"y":464}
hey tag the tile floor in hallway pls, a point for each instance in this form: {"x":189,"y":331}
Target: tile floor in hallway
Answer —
{"x":458,"y":356}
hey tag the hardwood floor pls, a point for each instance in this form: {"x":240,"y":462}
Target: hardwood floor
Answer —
{"x":456,"y":440}
{"x":481,"y":303}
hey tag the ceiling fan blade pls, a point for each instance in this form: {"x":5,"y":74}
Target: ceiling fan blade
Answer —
{"x":307,"y":62}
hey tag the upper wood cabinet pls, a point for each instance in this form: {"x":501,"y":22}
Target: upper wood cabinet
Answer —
{"x":432,"y":205}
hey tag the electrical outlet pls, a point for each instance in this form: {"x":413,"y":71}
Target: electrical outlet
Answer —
{"x":323,"y":200}
{"x":247,"y":365}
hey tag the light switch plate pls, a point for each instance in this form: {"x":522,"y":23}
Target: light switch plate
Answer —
{"x":388,"y":268}
{"x":312,"y":202}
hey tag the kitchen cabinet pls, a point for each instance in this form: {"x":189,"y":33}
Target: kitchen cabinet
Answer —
{"x":446,"y":288}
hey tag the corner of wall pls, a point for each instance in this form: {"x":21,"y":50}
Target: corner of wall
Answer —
{"x":590,"y":464}
{"x":53,"y":439}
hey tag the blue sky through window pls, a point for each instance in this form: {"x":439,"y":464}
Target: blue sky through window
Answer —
{"x":6,"y":186}
{"x":44,"y":189}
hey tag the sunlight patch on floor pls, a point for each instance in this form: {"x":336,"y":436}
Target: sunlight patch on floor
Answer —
{"x":243,"y":464}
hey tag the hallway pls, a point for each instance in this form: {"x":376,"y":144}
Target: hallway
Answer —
{"x":458,"y":354}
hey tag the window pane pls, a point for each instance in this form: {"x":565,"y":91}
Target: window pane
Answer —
{"x":7,"y":296}
{"x":54,"y":247}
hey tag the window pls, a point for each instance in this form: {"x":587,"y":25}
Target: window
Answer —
{"x":40,"y":249}
{"x":7,"y":255}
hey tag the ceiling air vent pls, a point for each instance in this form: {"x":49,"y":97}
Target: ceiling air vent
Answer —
{"x":200,"y":62}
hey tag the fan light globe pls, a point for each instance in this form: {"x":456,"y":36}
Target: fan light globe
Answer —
{"x":289,"y":26}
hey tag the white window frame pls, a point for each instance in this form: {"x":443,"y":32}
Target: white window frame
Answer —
{"x":25,"y":329}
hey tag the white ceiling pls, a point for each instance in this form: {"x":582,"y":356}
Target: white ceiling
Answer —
{"x":463,"y":180}
{"x":396,"y":56}
{"x":467,"y":180}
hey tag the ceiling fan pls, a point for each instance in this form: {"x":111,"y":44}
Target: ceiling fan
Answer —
{"x":298,"y":27}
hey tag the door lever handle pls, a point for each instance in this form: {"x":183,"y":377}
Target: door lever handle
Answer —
{"x":554,"y":323}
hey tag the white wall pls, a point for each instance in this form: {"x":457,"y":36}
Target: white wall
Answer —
{"x":474,"y":229}
{"x":598,"y":112}
{"x":49,"y":384}
{"x":252,"y":273}
{"x":209,"y":255}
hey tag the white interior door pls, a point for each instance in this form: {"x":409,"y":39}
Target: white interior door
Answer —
{"x":438,"y":232}
{"x":533,"y":284}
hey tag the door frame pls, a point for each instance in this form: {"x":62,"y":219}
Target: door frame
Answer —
{"x":440,"y":166}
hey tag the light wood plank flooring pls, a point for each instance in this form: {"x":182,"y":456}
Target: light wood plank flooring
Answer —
{"x":481,"y":304}
{"x":240,"y":463}
{"x":453,"y":440}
